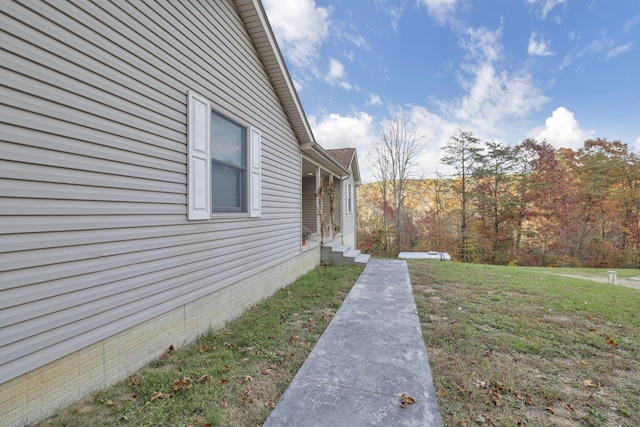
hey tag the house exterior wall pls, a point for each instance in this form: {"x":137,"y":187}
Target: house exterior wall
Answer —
{"x":95,"y":246}
{"x":309,"y":204}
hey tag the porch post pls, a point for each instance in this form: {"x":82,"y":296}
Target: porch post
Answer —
{"x":331,"y":217}
{"x":318,"y":182}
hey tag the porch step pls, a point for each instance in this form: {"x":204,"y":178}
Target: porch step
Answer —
{"x":335,"y":253}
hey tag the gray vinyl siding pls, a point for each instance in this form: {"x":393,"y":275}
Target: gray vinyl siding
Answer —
{"x":94,"y":236}
{"x":309,"y":208}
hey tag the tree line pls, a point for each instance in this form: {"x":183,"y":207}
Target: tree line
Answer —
{"x":528,"y":204}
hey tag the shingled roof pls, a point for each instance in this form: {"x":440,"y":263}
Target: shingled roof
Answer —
{"x":344,"y":156}
{"x":348,"y":160}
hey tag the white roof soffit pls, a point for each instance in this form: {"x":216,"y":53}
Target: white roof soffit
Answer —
{"x":255,"y":20}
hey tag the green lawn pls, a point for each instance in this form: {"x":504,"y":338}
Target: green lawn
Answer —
{"x":231,"y":377}
{"x":523,"y":346}
{"x":508,"y":346}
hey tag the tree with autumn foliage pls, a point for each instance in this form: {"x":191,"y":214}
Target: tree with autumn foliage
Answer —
{"x":546,"y":203}
{"x":605,"y":175}
{"x":528,"y":205}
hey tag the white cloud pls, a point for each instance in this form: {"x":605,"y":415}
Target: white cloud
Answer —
{"x":632,"y":23}
{"x":436,"y":132}
{"x":484,"y":44}
{"x":440,"y":10}
{"x":356,"y":131}
{"x":491,"y":95}
{"x":538,"y":47}
{"x":562,"y":130}
{"x":336,"y":74}
{"x":603,"y":48}
{"x":374,"y":100}
{"x":393,"y":8}
{"x":547,"y":5}
{"x":619,"y":50}
{"x":300,"y":27}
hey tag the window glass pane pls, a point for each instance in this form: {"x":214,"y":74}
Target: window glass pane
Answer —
{"x":228,"y":192}
{"x":227,"y":141}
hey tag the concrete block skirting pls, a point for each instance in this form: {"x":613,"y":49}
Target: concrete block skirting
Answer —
{"x":43,"y":391}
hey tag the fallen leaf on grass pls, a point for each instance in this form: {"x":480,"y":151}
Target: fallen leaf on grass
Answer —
{"x":224,"y":381}
{"x":227,"y":368}
{"x":550,"y":409}
{"x":182,"y":384}
{"x":248,"y":378}
{"x":109,"y":403}
{"x":159,"y":395}
{"x":526,"y":398}
{"x":498,"y":385}
{"x":442,"y":393}
{"x":496,"y":397}
{"x":590,"y":384}
{"x":568,"y":407}
{"x":203,"y":348}
{"x":611,"y":342}
{"x":204,"y":378}
{"x":406,"y":400}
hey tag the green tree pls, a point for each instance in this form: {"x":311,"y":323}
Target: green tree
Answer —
{"x":462,"y":153}
{"x":495,"y":199}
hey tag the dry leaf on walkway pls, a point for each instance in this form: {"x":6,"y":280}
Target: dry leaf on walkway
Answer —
{"x":406,"y":400}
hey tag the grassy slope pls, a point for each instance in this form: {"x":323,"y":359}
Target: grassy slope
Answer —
{"x":515,"y":346}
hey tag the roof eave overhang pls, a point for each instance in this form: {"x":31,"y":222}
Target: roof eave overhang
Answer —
{"x":316,"y":154}
{"x":257,"y":24}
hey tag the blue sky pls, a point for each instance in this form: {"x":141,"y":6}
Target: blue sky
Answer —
{"x":562,"y":70}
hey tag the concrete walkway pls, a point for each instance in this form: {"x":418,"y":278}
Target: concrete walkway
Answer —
{"x":371,"y":353}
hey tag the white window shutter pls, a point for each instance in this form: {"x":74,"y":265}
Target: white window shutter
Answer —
{"x":199,"y":163}
{"x":255,"y":173}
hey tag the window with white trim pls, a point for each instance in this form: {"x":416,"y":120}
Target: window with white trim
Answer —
{"x":224,"y":170}
{"x":349,"y":198}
